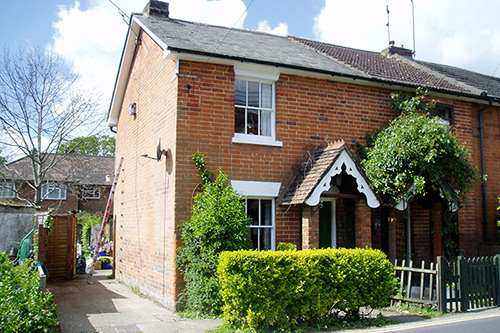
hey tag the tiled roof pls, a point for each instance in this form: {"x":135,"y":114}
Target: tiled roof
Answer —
{"x":391,"y":68}
{"x":81,"y":169}
{"x":490,"y":84}
{"x":313,"y":169}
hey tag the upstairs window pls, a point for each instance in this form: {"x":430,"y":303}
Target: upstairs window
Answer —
{"x":7,"y":190}
{"x":444,"y":113}
{"x":91,"y":192}
{"x":254,"y":108}
{"x":53,"y":192}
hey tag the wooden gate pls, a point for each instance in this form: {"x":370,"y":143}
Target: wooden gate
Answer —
{"x":451,"y":286}
{"x":56,"y":248}
{"x":474,"y":282}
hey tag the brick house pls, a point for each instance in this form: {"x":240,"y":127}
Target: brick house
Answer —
{"x":281,"y":116}
{"x":74,"y":183}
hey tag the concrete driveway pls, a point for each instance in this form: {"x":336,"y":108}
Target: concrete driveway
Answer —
{"x":109,"y":306}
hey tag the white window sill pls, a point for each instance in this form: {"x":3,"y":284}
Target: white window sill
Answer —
{"x":255,"y":140}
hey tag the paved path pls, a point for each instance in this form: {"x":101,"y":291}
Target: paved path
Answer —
{"x":110,"y":306}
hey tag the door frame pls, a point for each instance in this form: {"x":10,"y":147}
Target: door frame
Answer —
{"x":333,"y":236}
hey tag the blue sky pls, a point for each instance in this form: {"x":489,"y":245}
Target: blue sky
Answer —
{"x":90,"y":33}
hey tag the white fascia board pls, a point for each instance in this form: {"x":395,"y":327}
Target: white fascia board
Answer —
{"x":126,"y":63}
{"x":123,"y":74}
{"x":256,"y":189}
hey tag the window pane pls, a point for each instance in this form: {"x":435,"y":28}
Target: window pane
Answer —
{"x":240,"y":92}
{"x":239,"y":120}
{"x":253,"y":94}
{"x":253,"y":122}
{"x":253,"y":210}
{"x":265,"y":123}
{"x":267,"y":95}
{"x":265,"y":239}
{"x":7,"y":190}
{"x":254,"y":236}
{"x":266,"y":210}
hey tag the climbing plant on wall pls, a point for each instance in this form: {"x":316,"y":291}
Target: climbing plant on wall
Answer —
{"x":416,"y":153}
{"x":218,"y":223}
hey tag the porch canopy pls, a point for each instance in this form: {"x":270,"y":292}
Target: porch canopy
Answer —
{"x":316,"y":174}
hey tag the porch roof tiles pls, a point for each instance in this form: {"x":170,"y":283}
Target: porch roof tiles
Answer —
{"x":312,"y":170}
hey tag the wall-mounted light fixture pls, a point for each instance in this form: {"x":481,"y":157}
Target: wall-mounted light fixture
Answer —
{"x":132,"y":108}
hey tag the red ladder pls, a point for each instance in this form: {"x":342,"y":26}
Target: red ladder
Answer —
{"x":105,"y":220}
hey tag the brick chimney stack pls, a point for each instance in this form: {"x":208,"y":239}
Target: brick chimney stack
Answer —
{"x":156,"y":8}
{"x":397,"y":50}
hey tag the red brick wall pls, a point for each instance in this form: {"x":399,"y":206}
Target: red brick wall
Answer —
{"x":150,"y":204}
{"x":95,"y":205}
{"x":144,"y":204}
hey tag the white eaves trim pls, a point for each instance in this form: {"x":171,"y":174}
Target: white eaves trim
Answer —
{"x":125,"y":66}
{"x":256,"y":189}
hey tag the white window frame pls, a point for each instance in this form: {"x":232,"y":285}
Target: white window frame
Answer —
{"x":260,"y":225}
{"x":91,"y":192}
{"x":53,"y":192}
{"x":444,"y":121}
{"x":261,"y":75}
{"x":7,"y":190}
{"x":262,"y":191}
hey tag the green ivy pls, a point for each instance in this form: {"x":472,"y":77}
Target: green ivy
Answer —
{"x":87,"y":220}
{"x":418,"y":153}
{"x":24,"y":308}
{"x":218,"y":223}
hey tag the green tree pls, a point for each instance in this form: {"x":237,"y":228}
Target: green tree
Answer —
{"x":96,"y":145}
{"x":416,"y":153}
{"x":218,"y":223}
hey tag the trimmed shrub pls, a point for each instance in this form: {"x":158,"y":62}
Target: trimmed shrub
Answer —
{"x":286,"y":247}
{"x":24,"y":308}
{"x":279,"y":289}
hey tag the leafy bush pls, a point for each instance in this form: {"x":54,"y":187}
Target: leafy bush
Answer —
{"x":286,"y":247}
{"x":24,"y":308}
{"x":218,"y":223}
{"x":271,"y":290}
{"x":87,"y":220}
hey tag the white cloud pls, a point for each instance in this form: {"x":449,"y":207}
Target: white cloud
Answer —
{"x":461,"y":33}
{"x":281,"y":29}
{"x":92,"y":39}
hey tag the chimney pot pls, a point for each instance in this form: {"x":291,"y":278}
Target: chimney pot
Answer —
{"x":157,"y":8}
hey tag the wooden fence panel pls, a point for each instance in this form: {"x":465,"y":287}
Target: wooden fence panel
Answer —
{"x":416,"y":285}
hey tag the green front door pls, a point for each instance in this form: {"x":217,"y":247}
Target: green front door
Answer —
{"x":325,"y":225}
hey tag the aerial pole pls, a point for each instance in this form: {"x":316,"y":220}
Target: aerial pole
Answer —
{"x":388,"y":28}
{"x":413,"y":21}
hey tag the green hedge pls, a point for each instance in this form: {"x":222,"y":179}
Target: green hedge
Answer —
{"x":277,"y":289}
{"x":23,"y":307}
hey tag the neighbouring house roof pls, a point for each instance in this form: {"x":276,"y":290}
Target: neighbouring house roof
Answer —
{"x":392,"y":68}
{"x":203,"y":42}
{"x":316,"y":172}
{"x":80,"y":169}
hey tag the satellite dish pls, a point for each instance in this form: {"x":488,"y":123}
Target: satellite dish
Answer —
{"x":159,"y":152}
{"x":169,"y":165}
